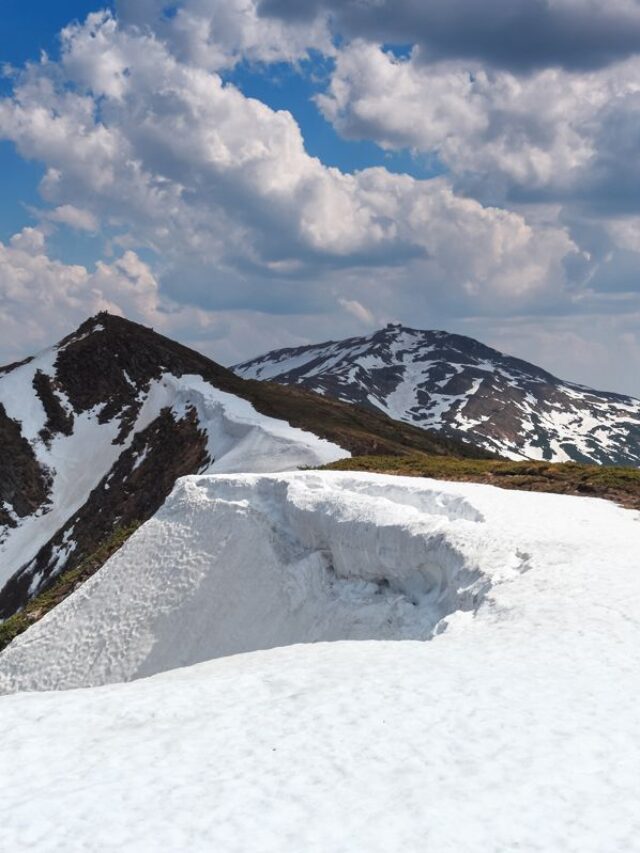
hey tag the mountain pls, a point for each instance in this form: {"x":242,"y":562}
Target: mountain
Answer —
{"x":462,"y":388}
{"x":95,"y":431}
{"x":502,"y":716}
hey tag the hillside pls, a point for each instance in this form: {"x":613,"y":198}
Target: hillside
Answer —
{"x":95,"y":431}
{"x":464,"y":389}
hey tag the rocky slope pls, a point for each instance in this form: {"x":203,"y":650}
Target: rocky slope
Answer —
{"x":459,"y":387}
{"x":95,"y":431}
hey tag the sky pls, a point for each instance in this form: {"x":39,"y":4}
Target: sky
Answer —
{"x":250,"y":174}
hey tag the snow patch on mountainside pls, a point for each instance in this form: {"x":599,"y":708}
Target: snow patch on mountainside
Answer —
{"x":75,"y":464}
{"x":456,"y":385}
{"x":238,"y":439}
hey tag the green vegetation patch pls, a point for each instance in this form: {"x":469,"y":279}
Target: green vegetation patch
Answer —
{"x":63,"y":586}
{"x":621,"y":485}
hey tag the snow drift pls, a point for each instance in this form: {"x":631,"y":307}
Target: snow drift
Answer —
{"x":237,"y":563}
{"x":233,"y":564}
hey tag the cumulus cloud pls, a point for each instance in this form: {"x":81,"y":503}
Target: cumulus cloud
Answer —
{"x":552,"y":134}
{"x":209,"y":178}
{"x":42,"y":299}
{"x":74,"y":217}
{"x":357,"y":310}
{"x":217,"y":34}
{"x":515,"y":34}
{"x":254,"y":243}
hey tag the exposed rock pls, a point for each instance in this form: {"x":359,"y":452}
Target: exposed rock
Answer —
{"x":464,"y":389}
{"x":100,"y":427}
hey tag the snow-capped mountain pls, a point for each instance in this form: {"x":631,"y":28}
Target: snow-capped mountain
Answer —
{"x":510,"y":725}
{"x":95,"y":431}
{"x":463,"y":388}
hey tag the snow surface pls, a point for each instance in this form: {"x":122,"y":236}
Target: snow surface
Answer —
{"x":239,"y":437}
{"x":513,"y":728}
{"x":237,"y":563}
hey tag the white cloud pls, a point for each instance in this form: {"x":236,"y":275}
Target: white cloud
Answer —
{"x":259,"y":244}
{"x":74,"y":217}
{"x":358,"y":310}
{"x":42,"y":299}
{"x":206,"y":176}
{"x":545,"y":131}
{"x":216,"y":34}
{"x":625,"y":232}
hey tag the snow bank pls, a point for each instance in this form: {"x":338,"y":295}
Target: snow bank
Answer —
{"x":236,"y":563}
{"x":513,"y":728}
{"x":240,"y":439}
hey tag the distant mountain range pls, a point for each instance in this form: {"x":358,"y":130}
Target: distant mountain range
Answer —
{"x":459,"y":387}
{"x":95,"y":431}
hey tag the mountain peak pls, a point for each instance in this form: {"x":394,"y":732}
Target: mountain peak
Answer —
{"x":95,"y":431}
{"x":461,"y":387}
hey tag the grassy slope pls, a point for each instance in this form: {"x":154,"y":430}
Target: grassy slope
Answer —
{"x":621,"y":485}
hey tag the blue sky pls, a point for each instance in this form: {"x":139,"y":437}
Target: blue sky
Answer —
{"x":29,"y":28}
{"x":443,"y":164}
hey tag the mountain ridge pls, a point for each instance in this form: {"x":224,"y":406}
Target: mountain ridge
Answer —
{"x":458,"y":386}
{"x":95,"y":431}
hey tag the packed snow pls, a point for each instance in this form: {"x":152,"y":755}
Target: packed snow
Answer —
{"x":502,"y":717}
{"x":244,"y":562}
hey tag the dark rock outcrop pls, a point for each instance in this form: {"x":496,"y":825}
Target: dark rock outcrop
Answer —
{"x":104,"y":372}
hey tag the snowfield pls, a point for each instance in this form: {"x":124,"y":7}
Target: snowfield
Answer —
{"x":490,"y":705}
{"x":450,"y":746}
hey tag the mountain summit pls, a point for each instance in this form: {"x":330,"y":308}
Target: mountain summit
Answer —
{"x":460,"y":387}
